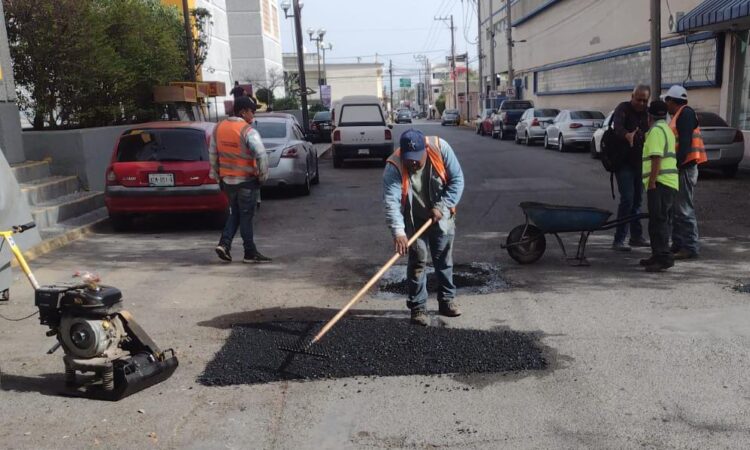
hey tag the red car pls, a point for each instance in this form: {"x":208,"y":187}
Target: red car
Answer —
{"x":162,"y":167}
{"x":484,"y":123}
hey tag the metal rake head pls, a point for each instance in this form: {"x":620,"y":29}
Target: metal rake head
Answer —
{"x":306,"y":348}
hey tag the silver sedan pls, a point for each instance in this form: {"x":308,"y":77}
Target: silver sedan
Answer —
{"x":725,"y":145}
{"x":533,"y":124}
{"x":292,"y":160}
{"x":572,"y":127}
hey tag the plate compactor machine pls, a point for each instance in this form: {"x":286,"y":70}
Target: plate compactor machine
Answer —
{"x":96,"y":334}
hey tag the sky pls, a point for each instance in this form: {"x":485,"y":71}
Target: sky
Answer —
{"x":396,"y":30}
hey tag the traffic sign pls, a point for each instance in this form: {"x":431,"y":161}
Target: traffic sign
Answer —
{"x":405,"y":82}
{"x":510,"y":92}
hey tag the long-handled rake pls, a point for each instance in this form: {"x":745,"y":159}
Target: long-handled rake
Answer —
{"x":305,"y":347}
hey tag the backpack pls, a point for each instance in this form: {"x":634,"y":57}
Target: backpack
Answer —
{"x":612,"y":156}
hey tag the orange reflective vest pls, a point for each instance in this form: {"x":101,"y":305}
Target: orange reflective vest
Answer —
{"x":697,"y":147}
{"x":235,"y":158}
{"x":432,"y":143}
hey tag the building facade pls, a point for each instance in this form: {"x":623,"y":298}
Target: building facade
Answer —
{"x":344,"y":79}
{"x":590,"y":53}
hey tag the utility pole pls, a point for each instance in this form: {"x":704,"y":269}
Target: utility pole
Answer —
{"x":493,"y":77}
{"x":468,"y":104}
{"x":479,"y":53}
{"x":301,"y":65}
{"x":189,"y":40}
{"x":453,"y":59}
{"x":390,"y":72}
{"x":655,"y":49}
{"x":509,"y":35}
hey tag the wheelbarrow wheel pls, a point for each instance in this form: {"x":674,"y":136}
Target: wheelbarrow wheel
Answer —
{"x":530,"y":250}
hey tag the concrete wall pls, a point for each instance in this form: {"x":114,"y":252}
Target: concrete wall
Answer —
{"x":10,"y":123}
{"x":218,"y":64}
{"x":84,"y":153}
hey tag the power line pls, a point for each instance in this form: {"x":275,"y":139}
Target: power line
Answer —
{"x":385,"y":54}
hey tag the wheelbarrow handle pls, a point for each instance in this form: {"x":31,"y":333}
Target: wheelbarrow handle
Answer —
{"x":622,"y":221}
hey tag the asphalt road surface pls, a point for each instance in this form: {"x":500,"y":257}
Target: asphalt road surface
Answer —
{"x":633,"y":360}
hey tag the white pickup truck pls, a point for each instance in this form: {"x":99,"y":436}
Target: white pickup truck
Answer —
{"x":360,"y":130}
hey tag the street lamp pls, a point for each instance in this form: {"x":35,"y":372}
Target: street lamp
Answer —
{"x":317,"y":39}
{"x":296,"y":6}
{"x":324,"y":47}
{"x":286,"y":5}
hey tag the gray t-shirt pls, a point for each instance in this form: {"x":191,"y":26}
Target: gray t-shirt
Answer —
{"x":420,"y":187}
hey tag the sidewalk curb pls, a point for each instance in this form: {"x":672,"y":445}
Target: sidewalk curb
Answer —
{"x":57,"y":242}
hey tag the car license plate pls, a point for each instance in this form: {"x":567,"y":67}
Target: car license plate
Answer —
{"x":364,"y":151}
{"x":161,"y":179}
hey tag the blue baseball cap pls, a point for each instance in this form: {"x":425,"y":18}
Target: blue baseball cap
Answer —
{"x":412,"y":145}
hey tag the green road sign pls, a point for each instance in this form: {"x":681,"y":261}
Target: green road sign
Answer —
{"x":405,"y":82}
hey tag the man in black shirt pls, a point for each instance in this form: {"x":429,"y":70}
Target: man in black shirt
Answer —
{"x":630,"y":123}
{"x":238,"y":90}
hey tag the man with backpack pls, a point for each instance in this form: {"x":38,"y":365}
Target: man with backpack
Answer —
{"x":622,"y":154}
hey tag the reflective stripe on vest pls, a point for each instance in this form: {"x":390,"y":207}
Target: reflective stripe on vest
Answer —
{"x":432,"y":143}
{"x":666,"y":154}
{"x":235,"y":159}
{"x":697,"y":147}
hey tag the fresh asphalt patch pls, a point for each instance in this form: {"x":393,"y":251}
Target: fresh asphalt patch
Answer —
{"x":473,"y":278}
{"x":368,"y":347}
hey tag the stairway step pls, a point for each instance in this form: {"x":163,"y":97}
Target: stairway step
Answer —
{"x":48,"y":214}
{"x":30,"y":170}
{"x":83,"y":221}
{"x":50,"y":188}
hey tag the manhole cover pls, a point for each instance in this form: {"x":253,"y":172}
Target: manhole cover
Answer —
{"x":368,"y":347}
{"x":476,"y":278}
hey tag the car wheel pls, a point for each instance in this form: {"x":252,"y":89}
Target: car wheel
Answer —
{"x":304,"y":188}
{"x":516,"y":140}
{"x":592,"y":148}
{"x":120,"y":222}
{"x":316,"y":178}
{"x":730,"y":171}
{"x":527,"y":140}
{"x":546,"y":141}
{"x":560,"y":144}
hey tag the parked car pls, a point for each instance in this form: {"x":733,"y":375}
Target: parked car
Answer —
{"x":596,"y":141}
{"x":292,"y":160}
{"x":403,"y":116}
{"x":506,"y":118}
{"x":162,"y":167}
{"x":572,"y":127}
{"x":533,"y":124}
{"x":725,"y":145}
{"x":484,"y":122}
{"x":360,"y":130}
{"x":321,"y":126}
{"x":450,"y":117}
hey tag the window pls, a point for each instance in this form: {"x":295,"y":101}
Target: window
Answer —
{"x":361,"y":115}
{"x":163,"y":145}
{"x":270,"y":129}
{"x":582,"y":115}
{"x":545,"y":112}
{"x":436,"y":90}
{"x":298,"y":133}
{"x":707,"y":119}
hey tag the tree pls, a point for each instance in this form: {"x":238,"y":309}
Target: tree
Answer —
{"x":202,"y":21}
{"x":440,"y":104}
{"x":271,"y":80}
{"x":265,"y":95}
{"x":82,"y":63}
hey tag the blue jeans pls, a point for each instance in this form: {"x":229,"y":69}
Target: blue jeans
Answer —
{"x":440,"y":246}
{"x":242,"y":200}
{"x":684,"y":222}
{"x":630,"y":185}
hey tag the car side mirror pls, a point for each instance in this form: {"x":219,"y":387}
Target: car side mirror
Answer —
{"x":390,"y":126}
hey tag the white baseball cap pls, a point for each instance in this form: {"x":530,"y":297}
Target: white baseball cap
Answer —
{"x":676,"y":91}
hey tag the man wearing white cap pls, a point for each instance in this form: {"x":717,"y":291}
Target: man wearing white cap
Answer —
{"x":690,"y":153}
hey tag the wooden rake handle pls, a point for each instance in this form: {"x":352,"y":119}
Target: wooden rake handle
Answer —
{"x":369,"y":285}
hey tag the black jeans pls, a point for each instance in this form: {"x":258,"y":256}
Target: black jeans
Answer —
{"x":242,"y":200}
{"x":660,"y":205}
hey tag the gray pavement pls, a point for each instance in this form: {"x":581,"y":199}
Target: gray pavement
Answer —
{"x":637,"y":360}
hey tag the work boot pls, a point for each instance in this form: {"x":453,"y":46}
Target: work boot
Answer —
{"x":419,"y":317}
{"x":223,"y":253}
{"x":685,"y":254}
{"x":620,"y":247}
{"x":256,"y":258}
{"x":647,"y":261}
{"x":639,"y":242}
{"x":659,"y":266}
{"x":449,"y":309}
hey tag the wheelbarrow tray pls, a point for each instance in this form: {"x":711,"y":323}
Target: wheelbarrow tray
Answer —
{"x":562,"y":219}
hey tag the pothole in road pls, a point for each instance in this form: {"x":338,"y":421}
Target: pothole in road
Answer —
{"x":369,"y":347}
{"x":474,"y":278}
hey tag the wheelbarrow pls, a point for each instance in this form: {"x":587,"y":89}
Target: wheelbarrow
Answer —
{"x":526,"y":243}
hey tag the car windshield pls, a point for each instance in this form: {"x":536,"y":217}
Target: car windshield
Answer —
{"x":706,"y":119}
{"x":517,"y":105}
{"x":546,"y":112}
{"x":162,"y":145}
{"x":322,"y":115}
{"x":361,"y":115}
{"x":586,"y":115}
{"x":270,"y":129}
{"x":451,"y":111}
{"x":404,"y":113}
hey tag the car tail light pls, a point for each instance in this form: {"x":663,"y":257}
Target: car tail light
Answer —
{"x":111,"y":177}
{"x":388,"y":134}
{"x":336,"y":135}
{"x":739,"y":137}
{"x":314,"y":126}
{"x":535,"y":122}
{"x":576,"y":125}
{"x":290,"y":152}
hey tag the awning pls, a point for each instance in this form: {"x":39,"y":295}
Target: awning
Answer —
{"x":716,"y":15}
